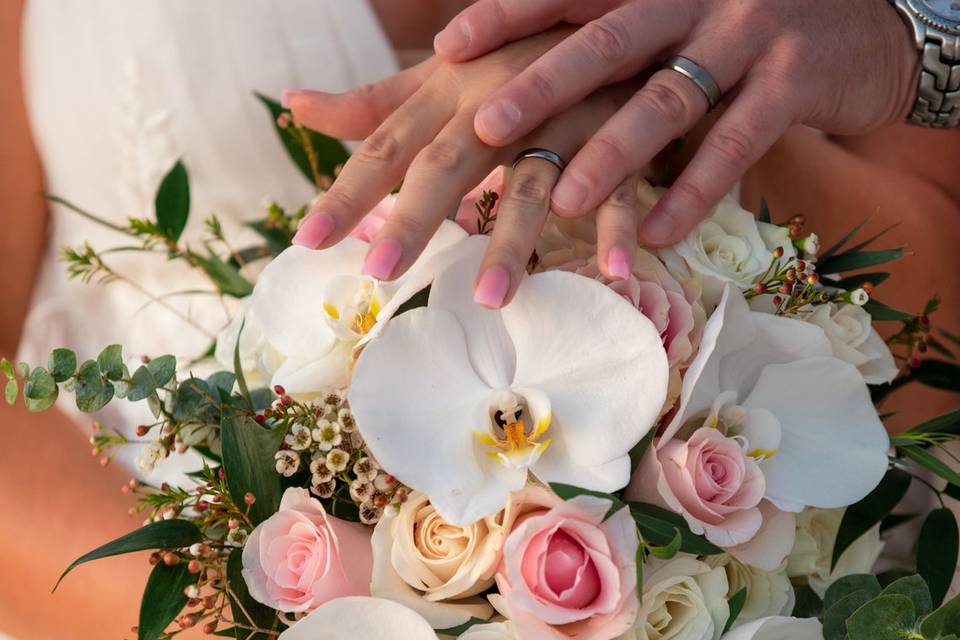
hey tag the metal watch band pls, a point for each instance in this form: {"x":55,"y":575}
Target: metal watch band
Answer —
{"x":938,"y":95}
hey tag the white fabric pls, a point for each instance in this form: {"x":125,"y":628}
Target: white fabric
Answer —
{"x":117,"y":91}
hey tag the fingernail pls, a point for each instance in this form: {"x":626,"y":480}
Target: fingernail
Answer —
{"x":500,"y":119}
{"x":314,"y":230}
{"x":491,"y":290}
{"x":454,"y":39}
{"x":382,"y":259}
{"x":288,"y":95}
{"x":618,"y":263}
{"x":658,"y":228}
{"x":570,"y":194}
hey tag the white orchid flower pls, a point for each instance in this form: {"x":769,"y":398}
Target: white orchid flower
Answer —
{"x":806,"y":415}
{"x":360,"y":617}
{"x":316,"y":307}
{"x":460,"y":402}
{"x":778,"y":628}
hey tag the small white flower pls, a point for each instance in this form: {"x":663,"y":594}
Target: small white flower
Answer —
{"x":347,"y":423}
{"x":299,"y":437}
{"x":361,"y":491}
{"x":318,"y":467}
{"x":236,"y":537}
{"x":370,"y":513}
{"x":859,"y":297}
{"x":337,"y":460}
{"x":331,"y":400}
{"x":195,"y":549}
{"x":327,"y":435}
{"x":811,"y":245}
{"x":150,"y":457}
{"x":192,"y":591}
{"x":384,"y":482}
{"x":288,"y":462}
{"x":324,"y":489}
{"x":366,"y":469}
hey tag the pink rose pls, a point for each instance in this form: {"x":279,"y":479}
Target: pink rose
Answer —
{"x":294,"y":560}
{"x":567,"y":573}
{"x":710,"y":480}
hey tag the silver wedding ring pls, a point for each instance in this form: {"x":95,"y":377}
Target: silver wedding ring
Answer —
{"x":544,"y":154}
{"x":699,"y":76}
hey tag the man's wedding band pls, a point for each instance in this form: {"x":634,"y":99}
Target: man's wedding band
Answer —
{"x":544,"y":154}
{"x":699,"y":76}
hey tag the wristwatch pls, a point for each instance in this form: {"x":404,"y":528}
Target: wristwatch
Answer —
{"x":936,"y":30}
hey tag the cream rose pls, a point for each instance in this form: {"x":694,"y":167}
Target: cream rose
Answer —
{"x":853,"y":338}
{"x":768,"y":593}
{"x":683,"y":599}
{"x":437,"y":568}
{"x":813,"y":549}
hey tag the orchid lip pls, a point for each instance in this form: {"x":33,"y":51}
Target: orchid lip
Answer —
{"x":513,"y":436}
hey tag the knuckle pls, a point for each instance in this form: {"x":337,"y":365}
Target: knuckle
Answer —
{"x":510,"y":251}
{"x":694,"y":196}
{"x":730,"y":144}
{"x":609,"y":151}
{"x":338,"y":199}
{"x":442,"y":155}
{"x":667,"y":102}
{"x":623,"y":197}
{"x":607,"y":39}
{"x":380,"y":147}
{"x":408,"y":227}
{"x":527,"y":189}
{"x":540,"y":84}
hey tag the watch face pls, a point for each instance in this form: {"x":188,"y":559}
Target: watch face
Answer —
{"x":947,"y":9}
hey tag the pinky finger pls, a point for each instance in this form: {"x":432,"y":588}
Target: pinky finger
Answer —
{"x":617,"y":230}
{"x":750,"y":126}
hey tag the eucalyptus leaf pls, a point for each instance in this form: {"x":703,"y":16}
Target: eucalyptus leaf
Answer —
{"x":62,"y":364}
{"x":89,"y":383}
{"x":859,"y":518}
{"x":937,"y":550}
{"x":846,"y":585}
{"x":223,"y":380}
{"x":915,"y":588}
{"x":250,"y":466}
{"x":40,"y":391}
{"x":884,"y":618}
{"x":735,"y":605}
{"x":110,"y":361}
{"x":195,"y":400}
{"x":945,"y":619}
{"x":162,"y":369}
{"x":142,"y":385}
{"x":99,"y":401}
{"x":7,"y":368}
{"x":658,"y":526}
{"x":10,"y":392}
{"x":163,"y":598}
{"x":835,"y":618}
{"x":568,"y":491}
{"x":163,"y":534}
{"x":172,"y":201}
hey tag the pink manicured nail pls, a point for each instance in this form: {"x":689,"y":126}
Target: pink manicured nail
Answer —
{"x":658,"y":227}
{"x":499,"y":120}
{"x":454,"y":39}
{"x":618,"y":263}
{"x":382,"y":259}
{"x":314,"y":230}
{"x":492,"y":288}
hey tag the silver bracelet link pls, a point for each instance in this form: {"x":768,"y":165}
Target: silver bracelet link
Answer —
{"x":938,"y":98}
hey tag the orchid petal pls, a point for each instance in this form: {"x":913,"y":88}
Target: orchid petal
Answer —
{"x":303,"y":378}
{"x":598,"y":346}
{"x":778,"y":628}
{"x":360,"y":617}
{"x":829,"y":458}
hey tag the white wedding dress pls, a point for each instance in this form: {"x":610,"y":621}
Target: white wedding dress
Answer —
{"x":117,"y":91}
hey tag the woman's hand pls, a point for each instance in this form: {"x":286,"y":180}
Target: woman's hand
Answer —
{"x":418,"y":128}
{"x":844,"y":67}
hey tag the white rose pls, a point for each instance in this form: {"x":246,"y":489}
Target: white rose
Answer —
{"x":494,"y":631}
{"x":360,"y":617}
{"x":850,"y":331}
{"x":813,"y":549}
{"x":768,"y":593}
{"x":778,"y":628}
{"x":437,"y":568}
{"x":730,"y":246}
{"x":150,"y":457}
{"x":258,"y":358}
{"x":683,"y":599}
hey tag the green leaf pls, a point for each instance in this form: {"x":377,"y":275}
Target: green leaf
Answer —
{"x":221,"y":380}
{"x":640,"y":557}
{"x":636,"y":454}
{"x":23,"y":369}
{"x":162,"y":369}
{"x":930,"y":462}
{"x":417,"y":300}
{"x":40,"y":390}
{"x":328,"y":151}
{"x":851,"y":584}
{"x":248,"y":460}
{"x":658,"y":525}
{"x":938,"y":374}
{"x":98,"y":401}
{"x":62,"y":364}
{"x":735,"y":605}
{"x":195,"y":400}
{"x":764,"y":215}
{"x":277,"y":239}
{"x":864,"y":515}
{"x":835,"y":618}
{"x":946,"y":423}
{"x":854,"y":260}
{"x":568,"y":491}
{"x":459,"y":630}
{"x":845,"y":239}
{"x":10,"y":392}
{"x":895,"y":520}
{"x":173,"y":201}
{"x":7,"y":368}
{"x":808,"y":604}
{"x":937,"y":549}
{"x":238,"y":369}
{"x":163,"y":598}
{"x":261,"y":399}
{"x":881,"y":312}
{"x":915,"y":588}
{"x":243,"y":605}
{"x":110,"y":361}
{"x":142,"y":384}
{"x":225,"y":276}
{"x":857,"y":281}
{"x":945,"y":619}
{"x":163,"y":534}
{"x":668,"y":550}
{"x":883,"y":618}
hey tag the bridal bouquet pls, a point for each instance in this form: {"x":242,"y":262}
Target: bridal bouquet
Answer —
{"x":691,"y":453}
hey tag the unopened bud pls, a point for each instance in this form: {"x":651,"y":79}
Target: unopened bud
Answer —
{"x":279,"y":390}
{"x":249,"y":498}
{"x":778,"y":252}
{"x":170,"y":559}
{"x":760,"y":288}
{"x":142,"y":430}
{"x":194,"y":566}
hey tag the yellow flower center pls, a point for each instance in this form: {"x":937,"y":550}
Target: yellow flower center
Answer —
{"x":513,"y":443}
